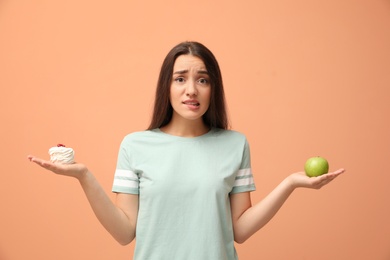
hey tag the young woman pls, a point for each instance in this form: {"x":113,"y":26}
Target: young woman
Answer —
{"x":183,"y":186}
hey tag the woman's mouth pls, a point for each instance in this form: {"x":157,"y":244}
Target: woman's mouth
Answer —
{"x":192,"y":104}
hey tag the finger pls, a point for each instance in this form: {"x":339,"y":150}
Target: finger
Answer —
{"x":339,"y":171}
{"x":31,"y":157}
{"x":43,"y":163}
{"x":327,"y":178}
{"x":36,"y":160}
{"x":334,"y":174}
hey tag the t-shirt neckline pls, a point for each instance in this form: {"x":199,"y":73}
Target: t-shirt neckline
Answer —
{"x":183,"y":138}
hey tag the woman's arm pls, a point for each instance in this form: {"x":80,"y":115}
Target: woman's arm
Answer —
{"x":248,"y":219}
{"x":118,"y":219}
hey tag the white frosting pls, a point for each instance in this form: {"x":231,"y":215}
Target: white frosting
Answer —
{"x":61,"y":154}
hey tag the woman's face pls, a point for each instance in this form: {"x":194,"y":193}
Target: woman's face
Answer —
{"x":190,"y":88}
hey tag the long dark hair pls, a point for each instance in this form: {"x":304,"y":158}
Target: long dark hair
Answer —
{"x":216,"y":115}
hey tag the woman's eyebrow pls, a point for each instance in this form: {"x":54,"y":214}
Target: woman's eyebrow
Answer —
{"x":186,"y":71}
{"x":203,"y":72}
{"x":180,"y":72}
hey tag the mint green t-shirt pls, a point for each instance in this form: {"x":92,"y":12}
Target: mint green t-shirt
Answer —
{"x":184,"y":186}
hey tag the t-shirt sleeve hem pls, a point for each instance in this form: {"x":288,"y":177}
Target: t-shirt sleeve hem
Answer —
{"x":118,"y":189}
{"x":246,"y":188}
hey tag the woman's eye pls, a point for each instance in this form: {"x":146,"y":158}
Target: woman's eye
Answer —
{"x":179,"y":79}
{"x":203,"y":81}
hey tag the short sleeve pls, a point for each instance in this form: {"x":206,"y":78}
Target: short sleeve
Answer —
{"x":244,"y":181}
{"x":125,"y":179}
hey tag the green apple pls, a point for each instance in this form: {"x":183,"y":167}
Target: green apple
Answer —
{"x":316,"y":166}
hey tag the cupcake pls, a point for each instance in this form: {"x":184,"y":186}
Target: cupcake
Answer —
{"x":61,"y":154}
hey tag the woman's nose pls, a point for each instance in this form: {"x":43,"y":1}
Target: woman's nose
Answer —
{"x":191,"y":88}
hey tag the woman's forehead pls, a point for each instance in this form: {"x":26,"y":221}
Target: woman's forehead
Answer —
{"x":188,"y":62}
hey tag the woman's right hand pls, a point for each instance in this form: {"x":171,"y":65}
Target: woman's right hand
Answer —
{"x":119,"y":219}
{"x":75,"y":170}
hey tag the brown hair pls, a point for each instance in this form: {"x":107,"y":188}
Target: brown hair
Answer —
{"x":216,"y":115}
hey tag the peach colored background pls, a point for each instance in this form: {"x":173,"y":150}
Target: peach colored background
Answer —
{"x":302,"y":78}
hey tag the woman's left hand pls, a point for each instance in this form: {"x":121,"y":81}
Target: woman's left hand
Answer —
{"x":301,"y":180}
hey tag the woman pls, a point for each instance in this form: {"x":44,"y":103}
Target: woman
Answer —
{"x":183,"y":186}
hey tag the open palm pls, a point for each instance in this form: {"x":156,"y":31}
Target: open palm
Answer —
{"x":300,"y":179}
{"x":76,"y":170}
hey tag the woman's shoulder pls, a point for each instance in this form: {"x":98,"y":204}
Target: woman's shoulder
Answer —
{"x":139,"y":135}
{"x":228,"y":133}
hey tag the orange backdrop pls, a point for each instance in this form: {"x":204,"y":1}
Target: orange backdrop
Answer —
{"x":302,"y":78}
